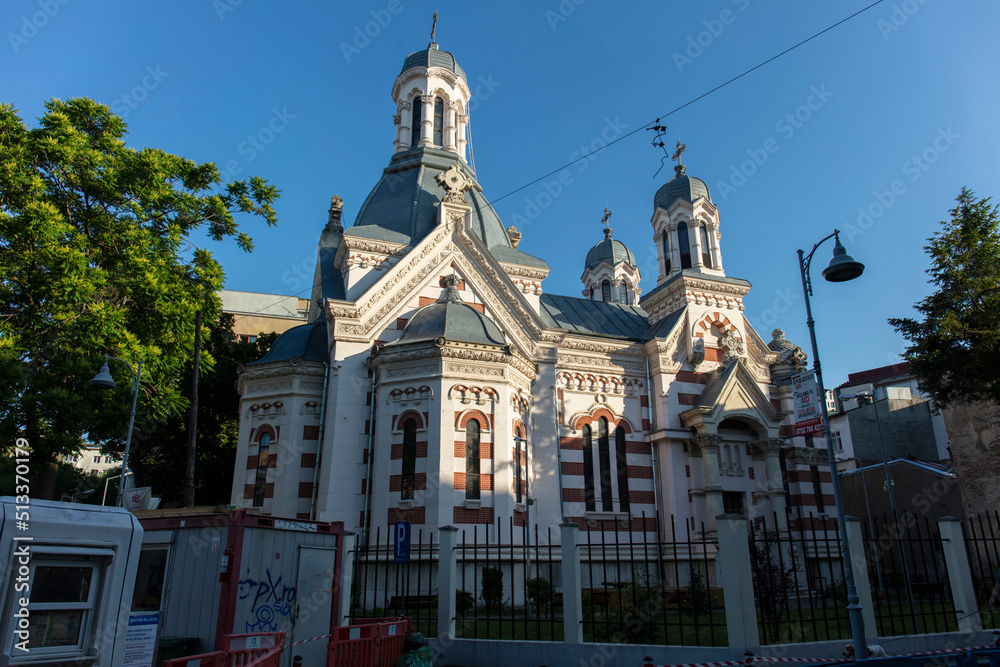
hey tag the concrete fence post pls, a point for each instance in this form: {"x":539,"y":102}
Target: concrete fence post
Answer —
{"x":733,"y":567}
{"x":571,"y":584}
{"x":963,"y":591}
{"x":346,"y":578}
{"x":447,"y":581}
{"x":856,"y":544}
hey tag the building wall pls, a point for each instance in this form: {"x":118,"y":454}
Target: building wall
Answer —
{"x":974,"y":431}
{"x":906,"y":430}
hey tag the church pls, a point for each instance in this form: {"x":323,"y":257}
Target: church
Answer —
{"x":438,"y":382}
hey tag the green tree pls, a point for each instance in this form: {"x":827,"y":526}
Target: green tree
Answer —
{"x":162,"y":457}
{"x":95,"y":259}
{"x":954,"y":349}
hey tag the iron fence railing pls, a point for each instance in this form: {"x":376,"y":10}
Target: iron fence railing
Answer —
{"x":982,"y":544}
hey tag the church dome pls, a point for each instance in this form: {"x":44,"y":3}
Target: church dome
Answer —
{"x":451,"y":319}
{"x":611,"y":251}
{"x":307,"y":342}
{"x":432,"y":56}
{"x":681,"y":186}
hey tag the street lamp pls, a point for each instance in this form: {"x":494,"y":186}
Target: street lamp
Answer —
{"x":841,"y":269}
{"x":103,"y":380}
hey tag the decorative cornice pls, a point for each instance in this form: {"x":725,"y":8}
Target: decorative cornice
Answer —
{"x":808,"y":456}
{"x":599,"y":362}
{"x":521,"y":271}
{"x":427,"y":73}
{"x":628,"y":349}
{"x":768,"y":446}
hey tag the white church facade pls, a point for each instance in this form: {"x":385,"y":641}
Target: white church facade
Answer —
{"x":437,"y":382}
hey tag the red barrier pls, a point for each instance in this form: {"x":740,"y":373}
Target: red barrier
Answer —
{"x":213,"y":659}
{"x":253,"y":649}
{"x":372,"y":642}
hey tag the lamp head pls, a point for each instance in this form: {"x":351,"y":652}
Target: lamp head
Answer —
{"x":103,"y":379}
{"x":842,"y":267}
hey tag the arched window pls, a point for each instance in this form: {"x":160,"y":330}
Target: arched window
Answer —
{"x":591,"y":292}
{"x":260,"y":483}
{"x":518,"y":471}
{"x":472,"y":460}
{"x":622,"y":464}
{"x":606,"y":291}
{"x":624,"y":293}
{"x":666,"y":251}
{"x":588,"y":469}
{"x":409,"y":459}
{"x":604,"y":452}
{"x":706,"y":250}
{"x":438,"y":122}
{"x":683,"y":245}
{"x":418,"y":108}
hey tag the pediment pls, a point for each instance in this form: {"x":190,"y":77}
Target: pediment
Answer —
{"x":733,"y":394}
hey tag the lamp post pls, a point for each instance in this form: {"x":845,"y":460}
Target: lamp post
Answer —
{"x":841,"y":269}
{"x":103,"y":380}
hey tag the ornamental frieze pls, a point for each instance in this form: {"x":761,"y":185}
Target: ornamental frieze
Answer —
{"x":269,"y":387}
{"x":412,"y":370}
{"x":602,"y":362}
{"x":466,"y":369}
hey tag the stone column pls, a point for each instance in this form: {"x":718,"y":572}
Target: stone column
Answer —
{"x":447,"y":582}
{"x":404,"y":121}
{"x":774,"y":489}
{"x":733,"y":566}
{"x":675,"y":249}
{"x":694,"y":240}
{"x":427,"y":120}
{"x":709,"y":446}
{"x":572,"y":593}
{"x":963,"y":592}
{"x":450,"y":127}
{"x":462,"y":122}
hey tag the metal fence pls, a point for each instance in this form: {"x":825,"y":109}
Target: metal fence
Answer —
{"x":384,"y":588}
{"x":982,"y":544}
{"x":644,"y":587}
{"x":909,"y":578}
{"x":798,"y":578}
{"x":637,"y":587}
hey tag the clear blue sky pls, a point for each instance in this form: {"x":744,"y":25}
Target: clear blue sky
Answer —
{"x":906,"y":79}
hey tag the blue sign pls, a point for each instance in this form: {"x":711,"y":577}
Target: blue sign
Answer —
{"x":401,"y":542}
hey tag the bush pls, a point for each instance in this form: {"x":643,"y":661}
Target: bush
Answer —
{"x":492,"y":585}
{"x":464,"y":602}
{"x":541,"y":592}
{"x":837,"y":591}
{"x":698,"y":595}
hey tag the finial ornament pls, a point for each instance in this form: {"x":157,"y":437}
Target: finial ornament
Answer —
{"x":604,"y":221}
{"x":677,"y":153}
{"x":456,"y":183}
{"x":434,"y":26}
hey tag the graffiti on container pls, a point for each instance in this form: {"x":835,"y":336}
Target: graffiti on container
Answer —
{"x":271,"y":599}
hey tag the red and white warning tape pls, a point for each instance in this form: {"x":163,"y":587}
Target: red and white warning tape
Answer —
{"x":311,"y":639}
{"x":761,"y":659}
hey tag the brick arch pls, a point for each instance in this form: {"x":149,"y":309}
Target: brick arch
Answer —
{"x":624,"y":425}
{"x":592,"y":417}
{"x":718,"y":319}
{"x":518,"y":424}
{"x":463,"y":419}
{"x":409,"y":414}
{"x":261,"y":430}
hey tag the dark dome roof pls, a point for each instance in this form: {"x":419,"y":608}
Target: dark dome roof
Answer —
{"x":307,"y":341}
{"x":403,"y":205}
{"x":453,"y":320}
{"x":681,"y":186}
{"x":611,"y":251}
{"x":433,"y":57}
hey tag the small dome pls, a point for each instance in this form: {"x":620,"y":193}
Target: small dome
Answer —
{"x":453,"y":320}
{"x":433,"y":57}
{"x":307,"y":341}
{"x":611,"y":251}
{"x":681,"y":186}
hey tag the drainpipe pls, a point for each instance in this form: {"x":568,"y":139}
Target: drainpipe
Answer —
{"x":319,"y":446}
{"x":555,"y":397}
{"x":371,"y":455}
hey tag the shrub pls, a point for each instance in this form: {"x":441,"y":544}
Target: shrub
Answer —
{"x":492,"y":585}
{"x":464,"y":602}
{"x":698,"y":595}
{"x":541,"y":592}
